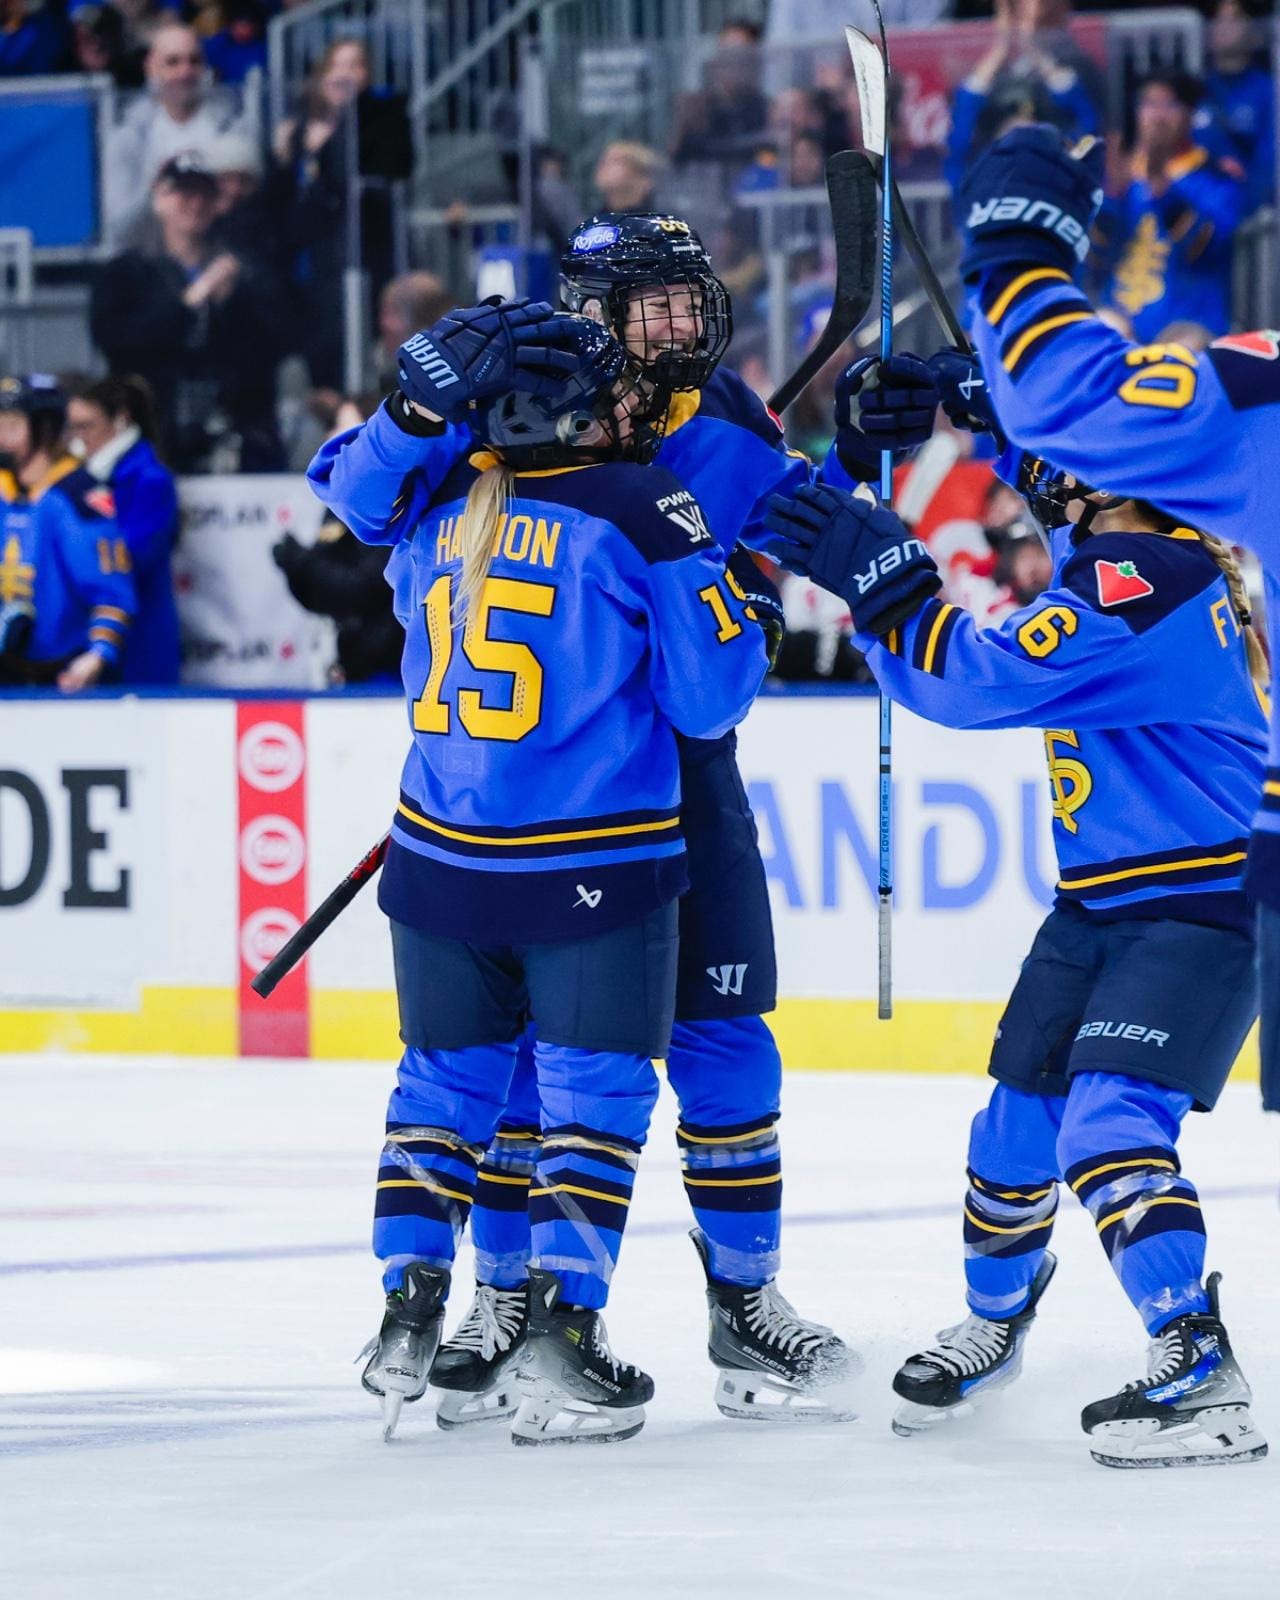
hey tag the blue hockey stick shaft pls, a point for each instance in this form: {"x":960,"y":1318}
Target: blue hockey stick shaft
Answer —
{"x":884,"y":897}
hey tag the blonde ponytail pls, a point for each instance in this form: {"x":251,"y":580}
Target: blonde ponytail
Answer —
{"x":478,"y":530}
{"x":1229,"y":567}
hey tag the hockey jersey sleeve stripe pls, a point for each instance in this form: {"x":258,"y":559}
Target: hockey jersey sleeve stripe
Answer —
{"x":111,"y":614}
{"x":1001,"y":297}
{"x":1018,"y":351}
{"x":1197,"y":868}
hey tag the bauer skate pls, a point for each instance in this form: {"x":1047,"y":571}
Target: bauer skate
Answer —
{"x":969,"y":1362}
{"x":1191,"y":1410}
{"x":574,"y":1388}
{"x":401,"y":1355}
{"x":475,"y":1370}
{"x":774,"y":1365}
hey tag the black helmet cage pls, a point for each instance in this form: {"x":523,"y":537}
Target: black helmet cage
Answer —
{"x":613,"y":256}
{"x":41,"y":401}
{"x":1045,"y":489}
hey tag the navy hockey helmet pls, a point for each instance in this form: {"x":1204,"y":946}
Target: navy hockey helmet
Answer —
{"x":615,"y":255}
{"x":37,"y":396}
{"x":608,"y":408}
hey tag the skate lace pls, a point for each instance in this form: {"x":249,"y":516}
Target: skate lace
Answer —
{"x":775,"y":1321}
{"x":601,"y":1348}
{"x":493,"y":1323}
{"x":1165,"y":1354}
{"x":967,"y":1348}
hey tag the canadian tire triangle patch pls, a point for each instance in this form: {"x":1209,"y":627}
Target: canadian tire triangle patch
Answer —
{"x":1119,"y":582}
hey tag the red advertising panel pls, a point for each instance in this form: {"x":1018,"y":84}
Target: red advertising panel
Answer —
{"x":272,"y":847}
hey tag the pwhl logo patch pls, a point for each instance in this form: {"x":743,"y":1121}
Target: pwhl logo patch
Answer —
{"x":1119,"y":582}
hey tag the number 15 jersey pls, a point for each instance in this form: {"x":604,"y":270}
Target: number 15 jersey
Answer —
{"x":540,"y":799}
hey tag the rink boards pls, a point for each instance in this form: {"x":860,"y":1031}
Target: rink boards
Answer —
{"x":154,"y":852}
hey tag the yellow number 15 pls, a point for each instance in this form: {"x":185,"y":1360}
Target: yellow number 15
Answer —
{"x":431,"y":713}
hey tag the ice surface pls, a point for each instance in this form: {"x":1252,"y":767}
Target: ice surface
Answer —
{"x":184,"y":1284}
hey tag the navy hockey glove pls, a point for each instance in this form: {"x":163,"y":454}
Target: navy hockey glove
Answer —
{"x":895,"y":411}
{"x":963,"y":392}
{"x":482,"y":351}
{"x":858,"y":551}
{"x":17,"y":619}
{"x":762,"y":598}
{"x":1027,"y":200}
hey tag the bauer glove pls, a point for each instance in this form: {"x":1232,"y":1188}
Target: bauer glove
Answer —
{"x":1028,"y":200}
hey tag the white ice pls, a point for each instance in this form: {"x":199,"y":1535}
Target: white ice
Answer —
{"x":184,"y":1283}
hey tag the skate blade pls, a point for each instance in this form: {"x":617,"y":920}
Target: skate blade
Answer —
{"x":760,"y":1397}
{"x":562,"y":1420}
{"x":459,"y":1409}
{"x":1217,"y":1436}
{"x":911,"y":1419}
{"x":391,"y":1404}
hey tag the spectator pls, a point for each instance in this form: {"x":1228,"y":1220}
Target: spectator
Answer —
{"x":111,"y":427}
{"x":720,"y":120}
{"x":412,"y":301}
{"x":792,"y":21}
{"x":1033,"y":72}
{"x":178,"y":116}
{"x":1241,"y":95}
{"x":1172,"y":225}
{"x":342,"y":578}
{"x":315,"y":155}
{"x":33,"y":38}
{"x":626,"y":177}
{"x":246,"y":212}
{"x":99,"y":44}
{"x":200,"y":325}
{"x":239,"y":43}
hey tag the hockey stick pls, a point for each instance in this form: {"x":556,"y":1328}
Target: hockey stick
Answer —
{"x":871,"y":70}
{"x":851,"y":190}
{"x":328,"y":911}
{"x":873,"y":110}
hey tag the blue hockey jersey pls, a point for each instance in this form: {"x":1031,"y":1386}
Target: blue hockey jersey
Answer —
{"x":1133,"y":664}
{"x":1194,"y":434}
{"x":541,"y":797}
{"x":1174,"y":248}
{"x":61,"y":553}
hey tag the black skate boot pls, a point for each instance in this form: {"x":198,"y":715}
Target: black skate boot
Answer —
{"x":774,"y":1366}
{"x":969,"y":1361}
{"x":400,"y":1357}
{"x":1191,"y":1410}
{"x":476,"y":1368}
{"x":574,"y":1387}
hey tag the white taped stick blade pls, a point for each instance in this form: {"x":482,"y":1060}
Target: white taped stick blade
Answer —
{"x":869,"y":75}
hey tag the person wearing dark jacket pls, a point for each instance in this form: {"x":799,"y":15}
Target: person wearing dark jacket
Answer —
{"x":111,"y":426}
{"x":341,"y":578}
{"x":200,"y":324}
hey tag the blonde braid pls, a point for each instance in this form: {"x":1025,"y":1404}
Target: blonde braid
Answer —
{"x":478,"y":529}
{"x":1259,"y":670}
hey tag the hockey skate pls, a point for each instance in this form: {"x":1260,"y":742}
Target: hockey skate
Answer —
{"x":774,"y":1365}
{"x":1191,"y":1410}
{"x":574,"y":1387}
{"x":970,"y":1361}
{"x":475,"y":1370}
{"x":400,"y":1356}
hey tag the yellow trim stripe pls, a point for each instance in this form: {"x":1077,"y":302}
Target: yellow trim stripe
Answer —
{"x":514,"y":1136}
{"x":575,"y":1141}
{"x":111,"y":613}
{"x":422,"y":1183}
{"x":931,"y":648}
{"x":538,"y":838}
{"x":1011,"y":1194}
{"x":573,"y":1188}
{"x":1152,"y":870}
{"x":1148,"y":1205}
{"x":1117,"y":1166}
{"x":1013,"y":290}
{"x":990,"y":1227}
{"x":1271,"y":788}
{"x":492,"y":1177}
{"x":724,"y":1138}
{"x":729,"y":1183}
{"x":1037,"y":330}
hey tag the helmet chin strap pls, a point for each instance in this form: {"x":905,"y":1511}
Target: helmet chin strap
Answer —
{"x":1084,"y":526}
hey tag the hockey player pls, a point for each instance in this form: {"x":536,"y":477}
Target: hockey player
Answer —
{"x":1192,"y":434}
{"x":648,"y":278}
{"x":1141,"y":665}
{"x":66,"y":590}
{"x":565,"y":613}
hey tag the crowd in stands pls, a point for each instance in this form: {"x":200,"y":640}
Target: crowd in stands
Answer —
{"x":227,"y":241}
